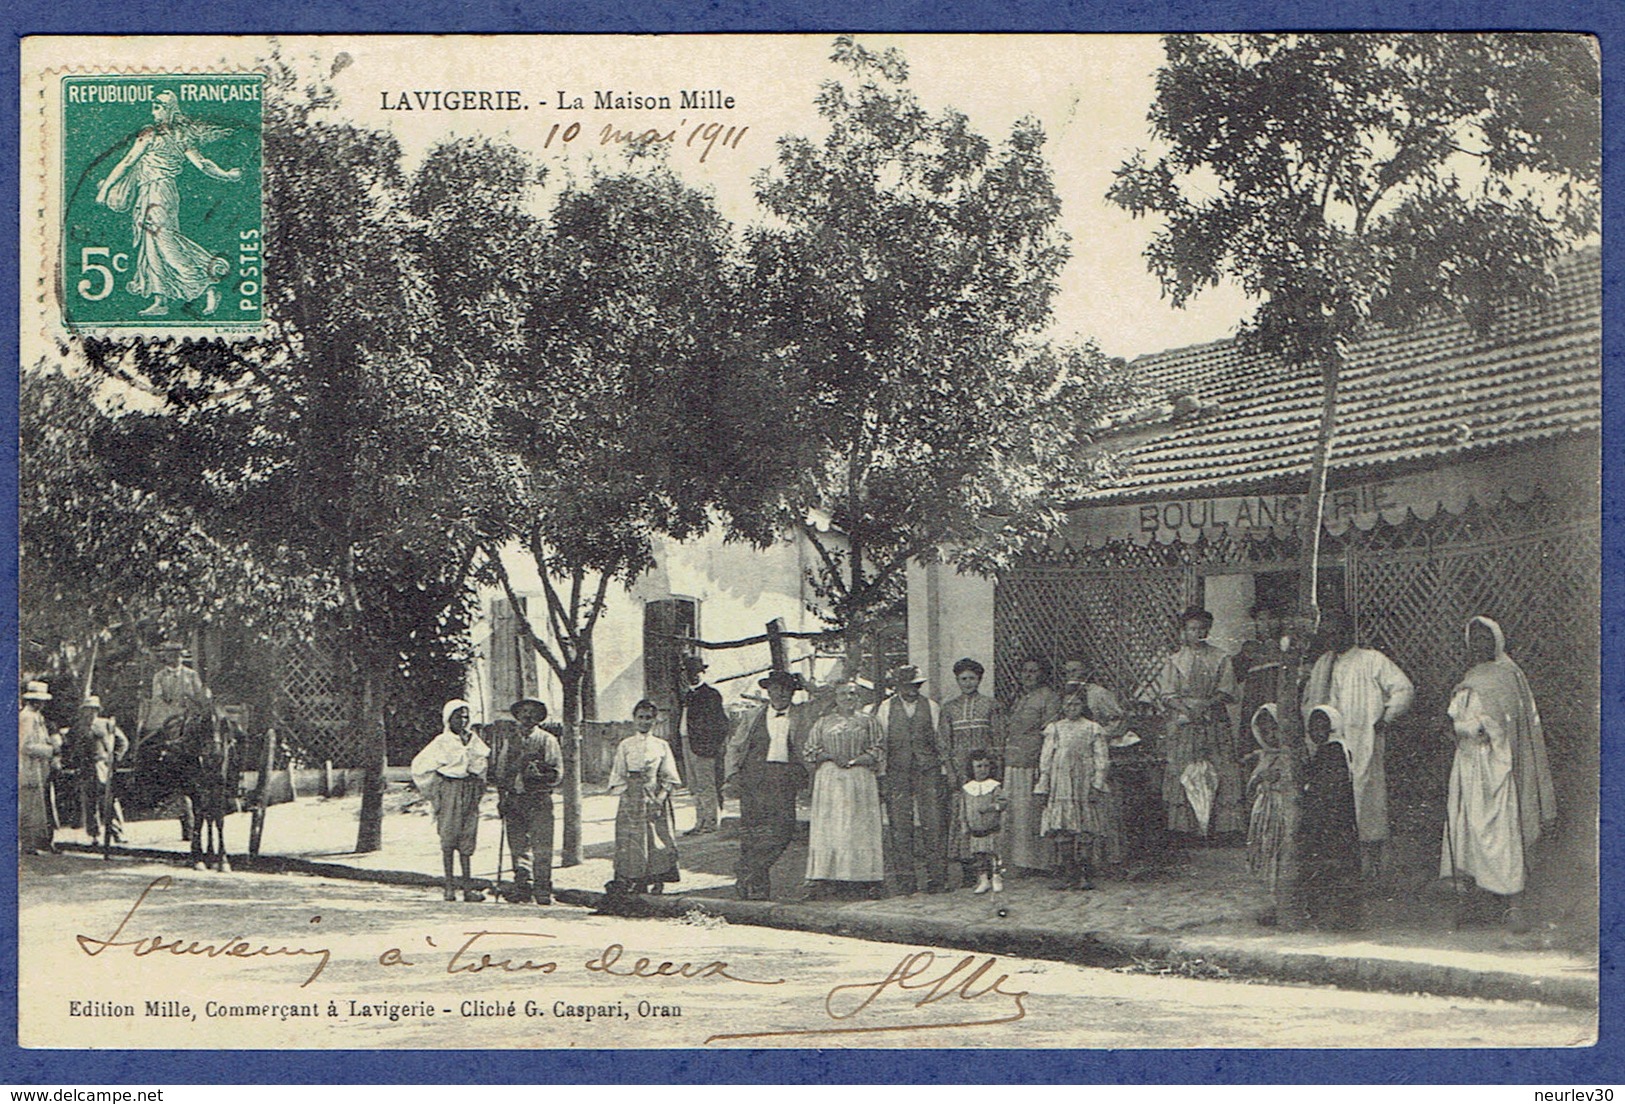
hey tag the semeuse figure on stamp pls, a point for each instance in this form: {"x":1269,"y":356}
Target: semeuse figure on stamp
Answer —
{"x":764,"y":769}
{"x":169,"y":266}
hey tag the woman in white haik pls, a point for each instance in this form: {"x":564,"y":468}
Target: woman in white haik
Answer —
{"x":1501,"y":793}
{"x":450,"y":772}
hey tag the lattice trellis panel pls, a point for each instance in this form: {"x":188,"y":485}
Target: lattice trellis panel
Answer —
{"x":312,"y":703}
{"x":1543,"y":589}
{"x":1120,"y":621}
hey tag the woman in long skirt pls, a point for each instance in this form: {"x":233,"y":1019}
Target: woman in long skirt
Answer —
{"x":450,"y":772}
{"x":1072,"y":780}
{"x":1274,"y":784}
{"x":644,"y":773}
{"x":1035,"y":707}
{"x":847,"y":752}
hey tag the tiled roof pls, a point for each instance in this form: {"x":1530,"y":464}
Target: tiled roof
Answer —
{"x":1432,"y":391}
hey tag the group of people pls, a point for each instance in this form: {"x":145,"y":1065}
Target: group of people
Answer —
{"x":1319,"y":819}
{"x":906,"y":789}
{"x":91,"y":746}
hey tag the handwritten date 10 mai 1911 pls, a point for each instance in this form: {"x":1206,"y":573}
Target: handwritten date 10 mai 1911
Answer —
{"x":476,"y":953}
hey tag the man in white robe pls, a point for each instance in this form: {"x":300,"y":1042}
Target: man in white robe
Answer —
{"x":1369,"y":691}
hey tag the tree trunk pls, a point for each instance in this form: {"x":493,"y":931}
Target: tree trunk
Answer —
{"x":1307,"y":618}
{"x":570,"y":784}
{"x":370,"y":833}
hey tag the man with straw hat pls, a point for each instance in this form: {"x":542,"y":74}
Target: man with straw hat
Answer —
{"x":764,"y":767}
{"x":36,"y":746}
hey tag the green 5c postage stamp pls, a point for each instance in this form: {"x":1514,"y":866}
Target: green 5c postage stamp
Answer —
{"x":161,"y":203}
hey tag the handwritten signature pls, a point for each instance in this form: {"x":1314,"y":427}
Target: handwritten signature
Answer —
{"x":922,"y":983}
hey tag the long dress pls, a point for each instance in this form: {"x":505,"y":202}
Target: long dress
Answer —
{"x":1274,"y":783}
{"x":1365,"y":687}
{"x":167,"y":262}
{"x":644,"y":773}
{"x":1023,"y":837}
{"x":1193,"y":735}
{"x":35,"y":747}
{"x":1328,"y":842}
{"x":1501,"y":794}
{"x":1072,"y":770}
{"x":844,"y":831}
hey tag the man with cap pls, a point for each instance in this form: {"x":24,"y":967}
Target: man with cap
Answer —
{"x":98,"y":743}
{"x":763,"y":766}
{"x":913,"y":785}
{"x":528,"y":767}
{"x":176,"y":690}
{"x":36,"y":746}
{"x":703,"y":725}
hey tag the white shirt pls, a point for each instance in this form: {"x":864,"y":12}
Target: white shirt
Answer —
{"x":778,"y":736}
{"x":908,"y":706}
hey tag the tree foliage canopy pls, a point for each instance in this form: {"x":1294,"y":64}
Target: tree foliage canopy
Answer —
{"x":900,"y":283}
{"x":1352,"y":178}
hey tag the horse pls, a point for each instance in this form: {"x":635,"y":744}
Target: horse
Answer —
{"x":194,"y":754}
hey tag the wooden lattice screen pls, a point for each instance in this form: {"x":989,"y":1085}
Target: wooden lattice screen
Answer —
{"x":1120,"y":621}
{"x":1542,"y":588}
{"x":312,"y":703}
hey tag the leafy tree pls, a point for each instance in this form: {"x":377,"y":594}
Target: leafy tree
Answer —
{"x":600,"y":341}
{"x":100,"y":554}
{"x":1346,"y":180}
{"x":901,"y":282}
{"x":330,"y":435}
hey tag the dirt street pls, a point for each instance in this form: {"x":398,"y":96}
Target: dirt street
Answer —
{"x":132,"y":954}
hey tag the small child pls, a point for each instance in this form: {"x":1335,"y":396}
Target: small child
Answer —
{"x":1274,"y":783}
{"x":981,"y":817}
{"x":1072,"y":771}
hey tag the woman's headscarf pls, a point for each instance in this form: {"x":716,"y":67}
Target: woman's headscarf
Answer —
{"x":451,"y":707}
{"x":1258,"y":734}
{"x":1334,"y":716}
{"x":1503,"y":691}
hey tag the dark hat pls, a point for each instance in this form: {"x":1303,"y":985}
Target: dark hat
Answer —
{"x":968,"y":664}
{"x":694,"y":663}
{"x":522,"y":702}
{"x":780,"y":678}
{"x":1196,"y":613}
{"x":907,"y":675}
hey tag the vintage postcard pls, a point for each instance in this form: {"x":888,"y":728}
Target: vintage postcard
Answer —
{"x":809,"y":541}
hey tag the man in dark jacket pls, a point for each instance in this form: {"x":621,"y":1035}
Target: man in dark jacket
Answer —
{"x":764,"y":768}
{"x":704,"y":729}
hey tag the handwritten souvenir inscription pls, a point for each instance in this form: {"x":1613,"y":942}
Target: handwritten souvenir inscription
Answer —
{"x":923,"y":991}
{"x":162,"y":203}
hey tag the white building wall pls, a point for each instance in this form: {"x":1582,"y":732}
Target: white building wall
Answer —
{"x":738,"y":589}
{"x":950,"y":616}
